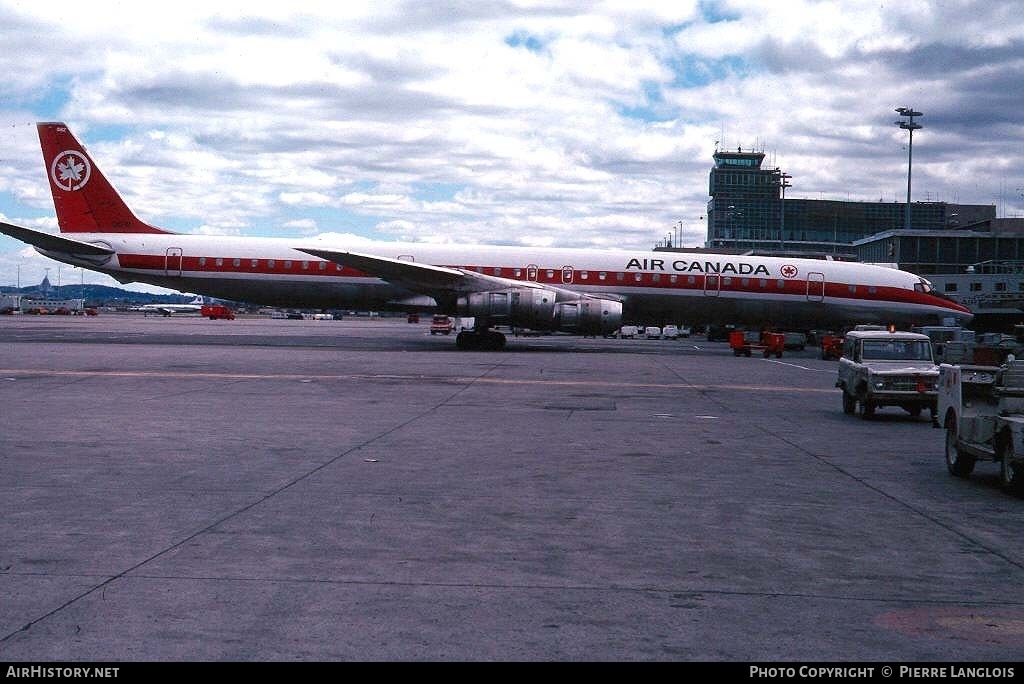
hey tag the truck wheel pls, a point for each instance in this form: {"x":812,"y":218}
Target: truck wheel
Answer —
{"x":849,"y":404}
{"x":867,"y":409}
{"x":1010,"y":474}
{"x":958,"y":464}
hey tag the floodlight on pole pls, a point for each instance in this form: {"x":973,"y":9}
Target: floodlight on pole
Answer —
{"x":911,"y":127}
{"x":783,"y":180}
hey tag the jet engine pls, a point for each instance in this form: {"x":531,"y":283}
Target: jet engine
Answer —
{"x":540,"y":309}
{"x":589,"y":315}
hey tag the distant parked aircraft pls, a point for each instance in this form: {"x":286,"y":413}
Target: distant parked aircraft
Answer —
{"x":194,"y":306}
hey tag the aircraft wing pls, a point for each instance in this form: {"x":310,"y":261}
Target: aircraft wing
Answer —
{"x":53,"y":243}
{"x":416,"y":276}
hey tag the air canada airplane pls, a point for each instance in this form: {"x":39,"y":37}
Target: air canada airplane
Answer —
{"x":586,"y":291}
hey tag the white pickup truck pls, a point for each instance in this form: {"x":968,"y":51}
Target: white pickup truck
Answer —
{"x":982,"y":411}
{"x":880,"y":368}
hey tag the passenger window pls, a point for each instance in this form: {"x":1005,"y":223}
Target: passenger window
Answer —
{"x":236,"y":263}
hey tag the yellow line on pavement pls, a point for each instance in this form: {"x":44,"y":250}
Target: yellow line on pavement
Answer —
{"x":457,"y":380}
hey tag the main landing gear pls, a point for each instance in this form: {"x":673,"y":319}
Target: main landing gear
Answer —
{"x":480,"y":340}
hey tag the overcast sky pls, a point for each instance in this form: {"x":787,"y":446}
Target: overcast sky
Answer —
{"x":537,"y":123}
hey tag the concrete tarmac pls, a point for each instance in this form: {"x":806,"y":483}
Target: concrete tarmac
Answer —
{"x":185,"y":489}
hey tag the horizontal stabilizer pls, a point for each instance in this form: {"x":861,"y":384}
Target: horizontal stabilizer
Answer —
{"x":54,"y":243}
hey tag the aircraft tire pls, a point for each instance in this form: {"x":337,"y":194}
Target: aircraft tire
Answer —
{"x":480,"y":341}
{"x":465,"y":340}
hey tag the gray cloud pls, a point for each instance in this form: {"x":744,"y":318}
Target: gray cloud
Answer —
{"x":570,"y":124}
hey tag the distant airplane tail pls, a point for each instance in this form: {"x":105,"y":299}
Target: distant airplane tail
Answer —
{"x":85,"y":200}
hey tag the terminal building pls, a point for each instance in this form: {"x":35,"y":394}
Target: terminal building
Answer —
{"x":967,"y":253}
{"x":748,"y":212}
{"x":980,"y":266}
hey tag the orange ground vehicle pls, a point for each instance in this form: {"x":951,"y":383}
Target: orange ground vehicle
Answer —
{"x":215,"y":311}
{"x":743,"y":343}
{"x":831,"y":347}
{"x":442,"y":325}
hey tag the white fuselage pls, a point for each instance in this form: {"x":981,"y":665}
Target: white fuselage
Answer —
{"x":653,"y":286}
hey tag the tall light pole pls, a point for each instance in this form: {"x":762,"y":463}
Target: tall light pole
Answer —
{"x":783,"y":184}
{"x":908,"y":126}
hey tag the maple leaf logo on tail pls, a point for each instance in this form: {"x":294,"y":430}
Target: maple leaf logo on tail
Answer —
{"x":70,"y":170}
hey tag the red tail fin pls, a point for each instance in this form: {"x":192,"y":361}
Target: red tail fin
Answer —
{"x":85,"y":201}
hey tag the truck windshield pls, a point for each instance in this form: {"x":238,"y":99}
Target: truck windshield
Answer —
{"x":896,"y":350}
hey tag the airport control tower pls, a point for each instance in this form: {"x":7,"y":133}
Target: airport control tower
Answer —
{"x":746,"y":203}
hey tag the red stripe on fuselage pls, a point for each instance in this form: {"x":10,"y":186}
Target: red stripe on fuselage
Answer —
{"x":616,"y":280}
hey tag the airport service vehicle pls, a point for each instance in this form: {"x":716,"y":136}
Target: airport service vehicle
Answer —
{"x":795,"y":340}
{"x":881,"y":368}
{"x":217,"y":311}
{"x":585,"y":291}
{"x":831,"y":347}
{"x":670,"y":332}
{"x":652,"y":332}
{"x":982,"y":409}
{"x":441,"y":325}
{"x":745,"y":342}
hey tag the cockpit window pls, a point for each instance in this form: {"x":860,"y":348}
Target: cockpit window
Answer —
{"x":923,"y":286}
